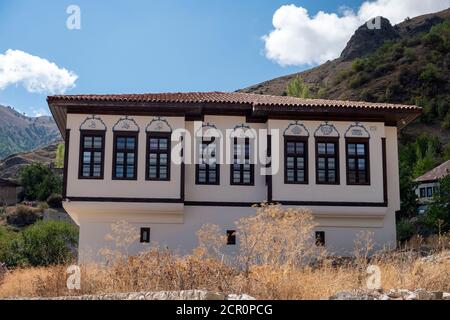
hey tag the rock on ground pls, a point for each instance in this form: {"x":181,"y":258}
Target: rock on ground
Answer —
{"x":396,"y":294}
{"x":162,"y":295}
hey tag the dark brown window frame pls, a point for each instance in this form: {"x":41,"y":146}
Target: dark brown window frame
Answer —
{"x":158,"y":135}
{"x":320,"y":238}
{"x":143,"y":240}
{"x":125,"y":134}
{"x":197,"y":169}
{"x":334,"y":140}
{"x":231,"y":237}
{"x":304,"y":140}
{"x":91,"y":133}
{"x":241,"y":170}
{"x":366,"y":142}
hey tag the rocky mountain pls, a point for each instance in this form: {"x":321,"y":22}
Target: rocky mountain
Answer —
{"x":19,"y":133}
{"x":10,"y":166}
{"x":364,"y":42}
{"x":407,"y":63}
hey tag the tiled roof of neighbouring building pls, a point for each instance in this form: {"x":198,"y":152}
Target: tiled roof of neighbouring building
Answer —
{"x":437,"y":173}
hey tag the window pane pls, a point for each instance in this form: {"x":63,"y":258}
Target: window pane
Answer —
{"x":291,"y":147}
{"x":331,"y":176}
{"x":153,"y":144}
{"x":120,"y":158}
{"x":97,"y":142}
{"x":97,"y":157}
{"x":97,"y":171}
{"x":361,"y":149}
{"x":131,"y":143}
{"x":290,"y":163}
{"x":321,"y":175}
{"x":86,"y":157}
{"x":299,"y":148}
{"x":153,"y":159}
{"x":361,"y":164}
{"x":130,"y":171}
{"x":130,"y":158}
{"x":247,"y":167}
{"x":86,"y":171}
{"x":88,"y":142}
{"x":120,"y":143}
{"x":300,"y":163}
{"x":152,"y":172}
{"x":362,"y":177}
{"x":330,"y":148}
{"x":321,"y":163}
{"x":163,"y":159}
{"x":247,"y":177}
{"x":300,"y":175}
{"x":119,"y":171}
{"x":351,"y":164}
{"x":331,"y":163}
{"x":352,"y":177}
{"x":237,"y":177}
{"x":351,"y":149}
{"x":290,"y":175}
{"x":212,"y":176}
{"x":321,"y":148}
{"x":163,"y":172}
{"x":163,"y":144}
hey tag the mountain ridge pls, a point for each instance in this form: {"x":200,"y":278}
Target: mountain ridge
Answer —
{"x":19,"y":133}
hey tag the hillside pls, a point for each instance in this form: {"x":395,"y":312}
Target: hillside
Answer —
{"x":19,"y":133}
{"x":10,"y":166}
{"x":362,"y":43}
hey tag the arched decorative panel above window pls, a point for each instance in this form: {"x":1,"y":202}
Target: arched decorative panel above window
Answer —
{"x":93,"y":123}
{"x":296,"y":129}
{"x":208,"y":130}
{"x":357,"y":130}
{"x":158,"y":125}
{"x":126,"y":124}
{"x":327,"y":130}
{"x":243,"y":131}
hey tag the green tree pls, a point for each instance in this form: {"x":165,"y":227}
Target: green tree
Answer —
{"x":59,"y":161}
{"x":45,"y":243}
{"x":439,"y":210}
{"x":298,"y":88}
{"x":39,"y":182}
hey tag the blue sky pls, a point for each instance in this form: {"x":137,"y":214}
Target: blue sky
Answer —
{"x":148,"y":46}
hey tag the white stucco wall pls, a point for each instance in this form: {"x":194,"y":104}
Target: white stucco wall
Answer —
{"x":176,"y":225}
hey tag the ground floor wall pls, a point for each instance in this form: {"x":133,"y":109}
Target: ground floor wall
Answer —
{"x":180,"y":234}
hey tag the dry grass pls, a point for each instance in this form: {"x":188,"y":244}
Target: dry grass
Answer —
{"x":264,"y":275}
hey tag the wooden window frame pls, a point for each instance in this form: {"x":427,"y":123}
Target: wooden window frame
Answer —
{"x":294,"y":139}
{"x":125,"y":134}
{"x":159,"y":135}
{"x":366,"y":142}
{"x":197,"y":169}
{"x":241,"y":170}
{"x":142,"y":235}
{"x":91,"y":133}
{"x":424,"y":189}
{"x":320,"y":238}
{"x":430,"y":192}
{"x":336,"y":141}
{"x":231,"y":237}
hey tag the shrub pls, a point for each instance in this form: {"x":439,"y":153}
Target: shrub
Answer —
{"x":23,"y":216}
{"x":39,"y":182}
{"x":55,"y":201}
{"x":45,"y":243}
{"x":405,"y":230}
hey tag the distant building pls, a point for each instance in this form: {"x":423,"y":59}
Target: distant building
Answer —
{"x":428,"y":184}
{"x":9,"y":192}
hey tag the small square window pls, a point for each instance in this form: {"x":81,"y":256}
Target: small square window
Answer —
{"x":145,"y":235}
{"x":231,"y":237}
{"x":320,"y":238}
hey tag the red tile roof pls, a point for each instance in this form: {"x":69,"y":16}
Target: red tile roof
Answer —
{"x":223,"y":97}
{"x":437,"y":173}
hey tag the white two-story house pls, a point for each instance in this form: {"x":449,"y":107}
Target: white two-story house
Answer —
{"x":170,"y":163}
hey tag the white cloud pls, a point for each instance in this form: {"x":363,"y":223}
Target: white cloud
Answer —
{"x":40,"y":112}
{"x":299,"y":39}
{"x":35,"y":74}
